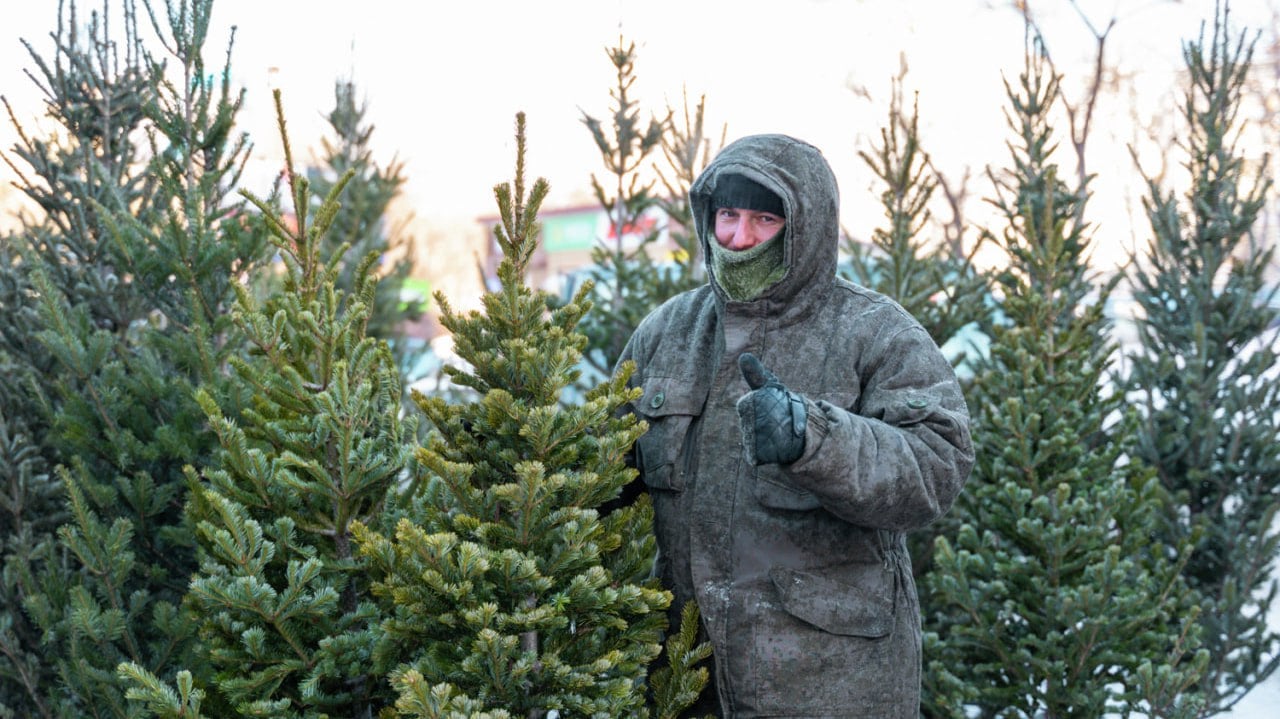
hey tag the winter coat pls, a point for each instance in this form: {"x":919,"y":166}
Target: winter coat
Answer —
{"x":800,"y":571}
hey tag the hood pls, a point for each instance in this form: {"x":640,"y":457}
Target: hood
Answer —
{"x":798,"y":173}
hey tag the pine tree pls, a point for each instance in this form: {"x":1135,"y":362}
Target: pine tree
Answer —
{"x":687,"y":151}
{"x":95,"y":87}
{"x":287,"y":625}
{"x":1205,"y":372}
{"x":128,"y":277}
{"x":509,"y":594}
{"x":362,"y":220}
{"x":1051,"y":600}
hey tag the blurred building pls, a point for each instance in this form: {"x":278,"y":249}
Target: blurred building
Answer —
{"x":569,"y":234}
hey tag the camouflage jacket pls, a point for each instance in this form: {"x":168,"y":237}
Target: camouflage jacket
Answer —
{"x":801,"y":571}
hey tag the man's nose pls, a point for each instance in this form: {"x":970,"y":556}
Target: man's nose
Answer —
{"x":742,"y":236}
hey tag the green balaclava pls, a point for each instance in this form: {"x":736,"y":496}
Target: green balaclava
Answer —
{"x":744,"y":274}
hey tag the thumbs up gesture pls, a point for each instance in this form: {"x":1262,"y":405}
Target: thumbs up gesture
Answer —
{"x":772,"y":417}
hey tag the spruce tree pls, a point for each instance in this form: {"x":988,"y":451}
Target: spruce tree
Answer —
{"x":623,"y":277}
{"x":1204,"y":373}
{"x":945,"y":293}
{"x":687,"y":150}
{"x":129,"y":274}
{"x":287,"y":626}
{"x":509,"y":594}
{"x":362,"y":220}
{"x":1051,"y":600}
{"x":942,"y":291}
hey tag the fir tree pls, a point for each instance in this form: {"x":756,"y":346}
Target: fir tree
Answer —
{"x":1051,"y":600}
{"x":128,"y":274}
{"x":687,"y":150}
{"x":1205,"y":372}
{"x":361,"y":221}
{"x":287,"y":625}
{"x":509,"y":594}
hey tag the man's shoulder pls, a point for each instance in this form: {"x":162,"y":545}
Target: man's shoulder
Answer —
{"x":855,"y":299}
{"x":681,"y":310}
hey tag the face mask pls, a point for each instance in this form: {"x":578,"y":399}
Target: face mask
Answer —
{"x":745,"y":274}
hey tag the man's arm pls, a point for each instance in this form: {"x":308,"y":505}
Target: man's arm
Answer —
{"x":901,"y":461}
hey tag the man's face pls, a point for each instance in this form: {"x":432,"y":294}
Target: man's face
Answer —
{"x":739,"y":229}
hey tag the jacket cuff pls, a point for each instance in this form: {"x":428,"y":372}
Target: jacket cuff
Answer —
{"x":819,"y":423}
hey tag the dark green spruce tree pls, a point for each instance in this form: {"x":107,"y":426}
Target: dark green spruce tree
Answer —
{"x":287,"y":626}
{"x":362,"y":221}
{"x":95,"y":87}
{"x":1051,"y":600}
{"x":508,"y":593}
{"x":1205,"y":373}
{"x":127,"y":277}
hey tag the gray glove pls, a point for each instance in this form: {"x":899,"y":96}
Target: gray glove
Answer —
{"x":772,"y":417}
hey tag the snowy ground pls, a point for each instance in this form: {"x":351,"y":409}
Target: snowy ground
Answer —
{"x":1261,"y":703}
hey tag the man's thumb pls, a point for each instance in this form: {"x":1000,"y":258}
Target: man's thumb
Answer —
{"x":754,"y":372}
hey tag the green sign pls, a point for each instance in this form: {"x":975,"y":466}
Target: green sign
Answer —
{"x":575,"y":231}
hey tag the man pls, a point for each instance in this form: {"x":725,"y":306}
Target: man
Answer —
{"x":799,"y":425}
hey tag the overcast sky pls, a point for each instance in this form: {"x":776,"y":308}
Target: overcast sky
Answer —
{"x":443,"y":80}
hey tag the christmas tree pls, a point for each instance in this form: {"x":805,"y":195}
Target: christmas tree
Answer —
{"x":287,"y":627}
{"x":629,"y":279}
{"x":509,"y":594}
{"x":362,"y":221}
{"x":1051,"y":600}
{"x":123,"y":290}
{"x":1204,"y":375}
{"x":943,"y":292}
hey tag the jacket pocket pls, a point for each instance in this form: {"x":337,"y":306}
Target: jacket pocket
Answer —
{"x":665,"y":450}
{"x":854,"y":600}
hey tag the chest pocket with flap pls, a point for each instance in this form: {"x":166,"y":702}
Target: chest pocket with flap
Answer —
{"x":670,"y":408}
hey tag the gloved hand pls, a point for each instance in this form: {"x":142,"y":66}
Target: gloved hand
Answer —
{"x":772,"y":417}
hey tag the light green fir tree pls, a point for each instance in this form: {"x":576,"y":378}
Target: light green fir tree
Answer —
{"x":287,"y":627}
{"x":508,"y":593}
{"x":1051,"y":600}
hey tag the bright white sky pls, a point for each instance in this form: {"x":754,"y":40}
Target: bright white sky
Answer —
{"x":444,"y":79}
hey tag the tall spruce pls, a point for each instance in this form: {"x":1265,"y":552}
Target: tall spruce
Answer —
{"x":128,"y":274}
{"x":509,"y":594}
{"x":623,"y":276}
{"x":286,"y":622}
{"x":363,"y":220}
{"x":95,"y":87}
{"x":944,"y":292}
{"x":1051,"y":600}
{"x":1205,"y":374}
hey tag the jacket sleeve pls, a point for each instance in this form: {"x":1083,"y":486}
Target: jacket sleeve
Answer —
{"x":900,"y":461}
